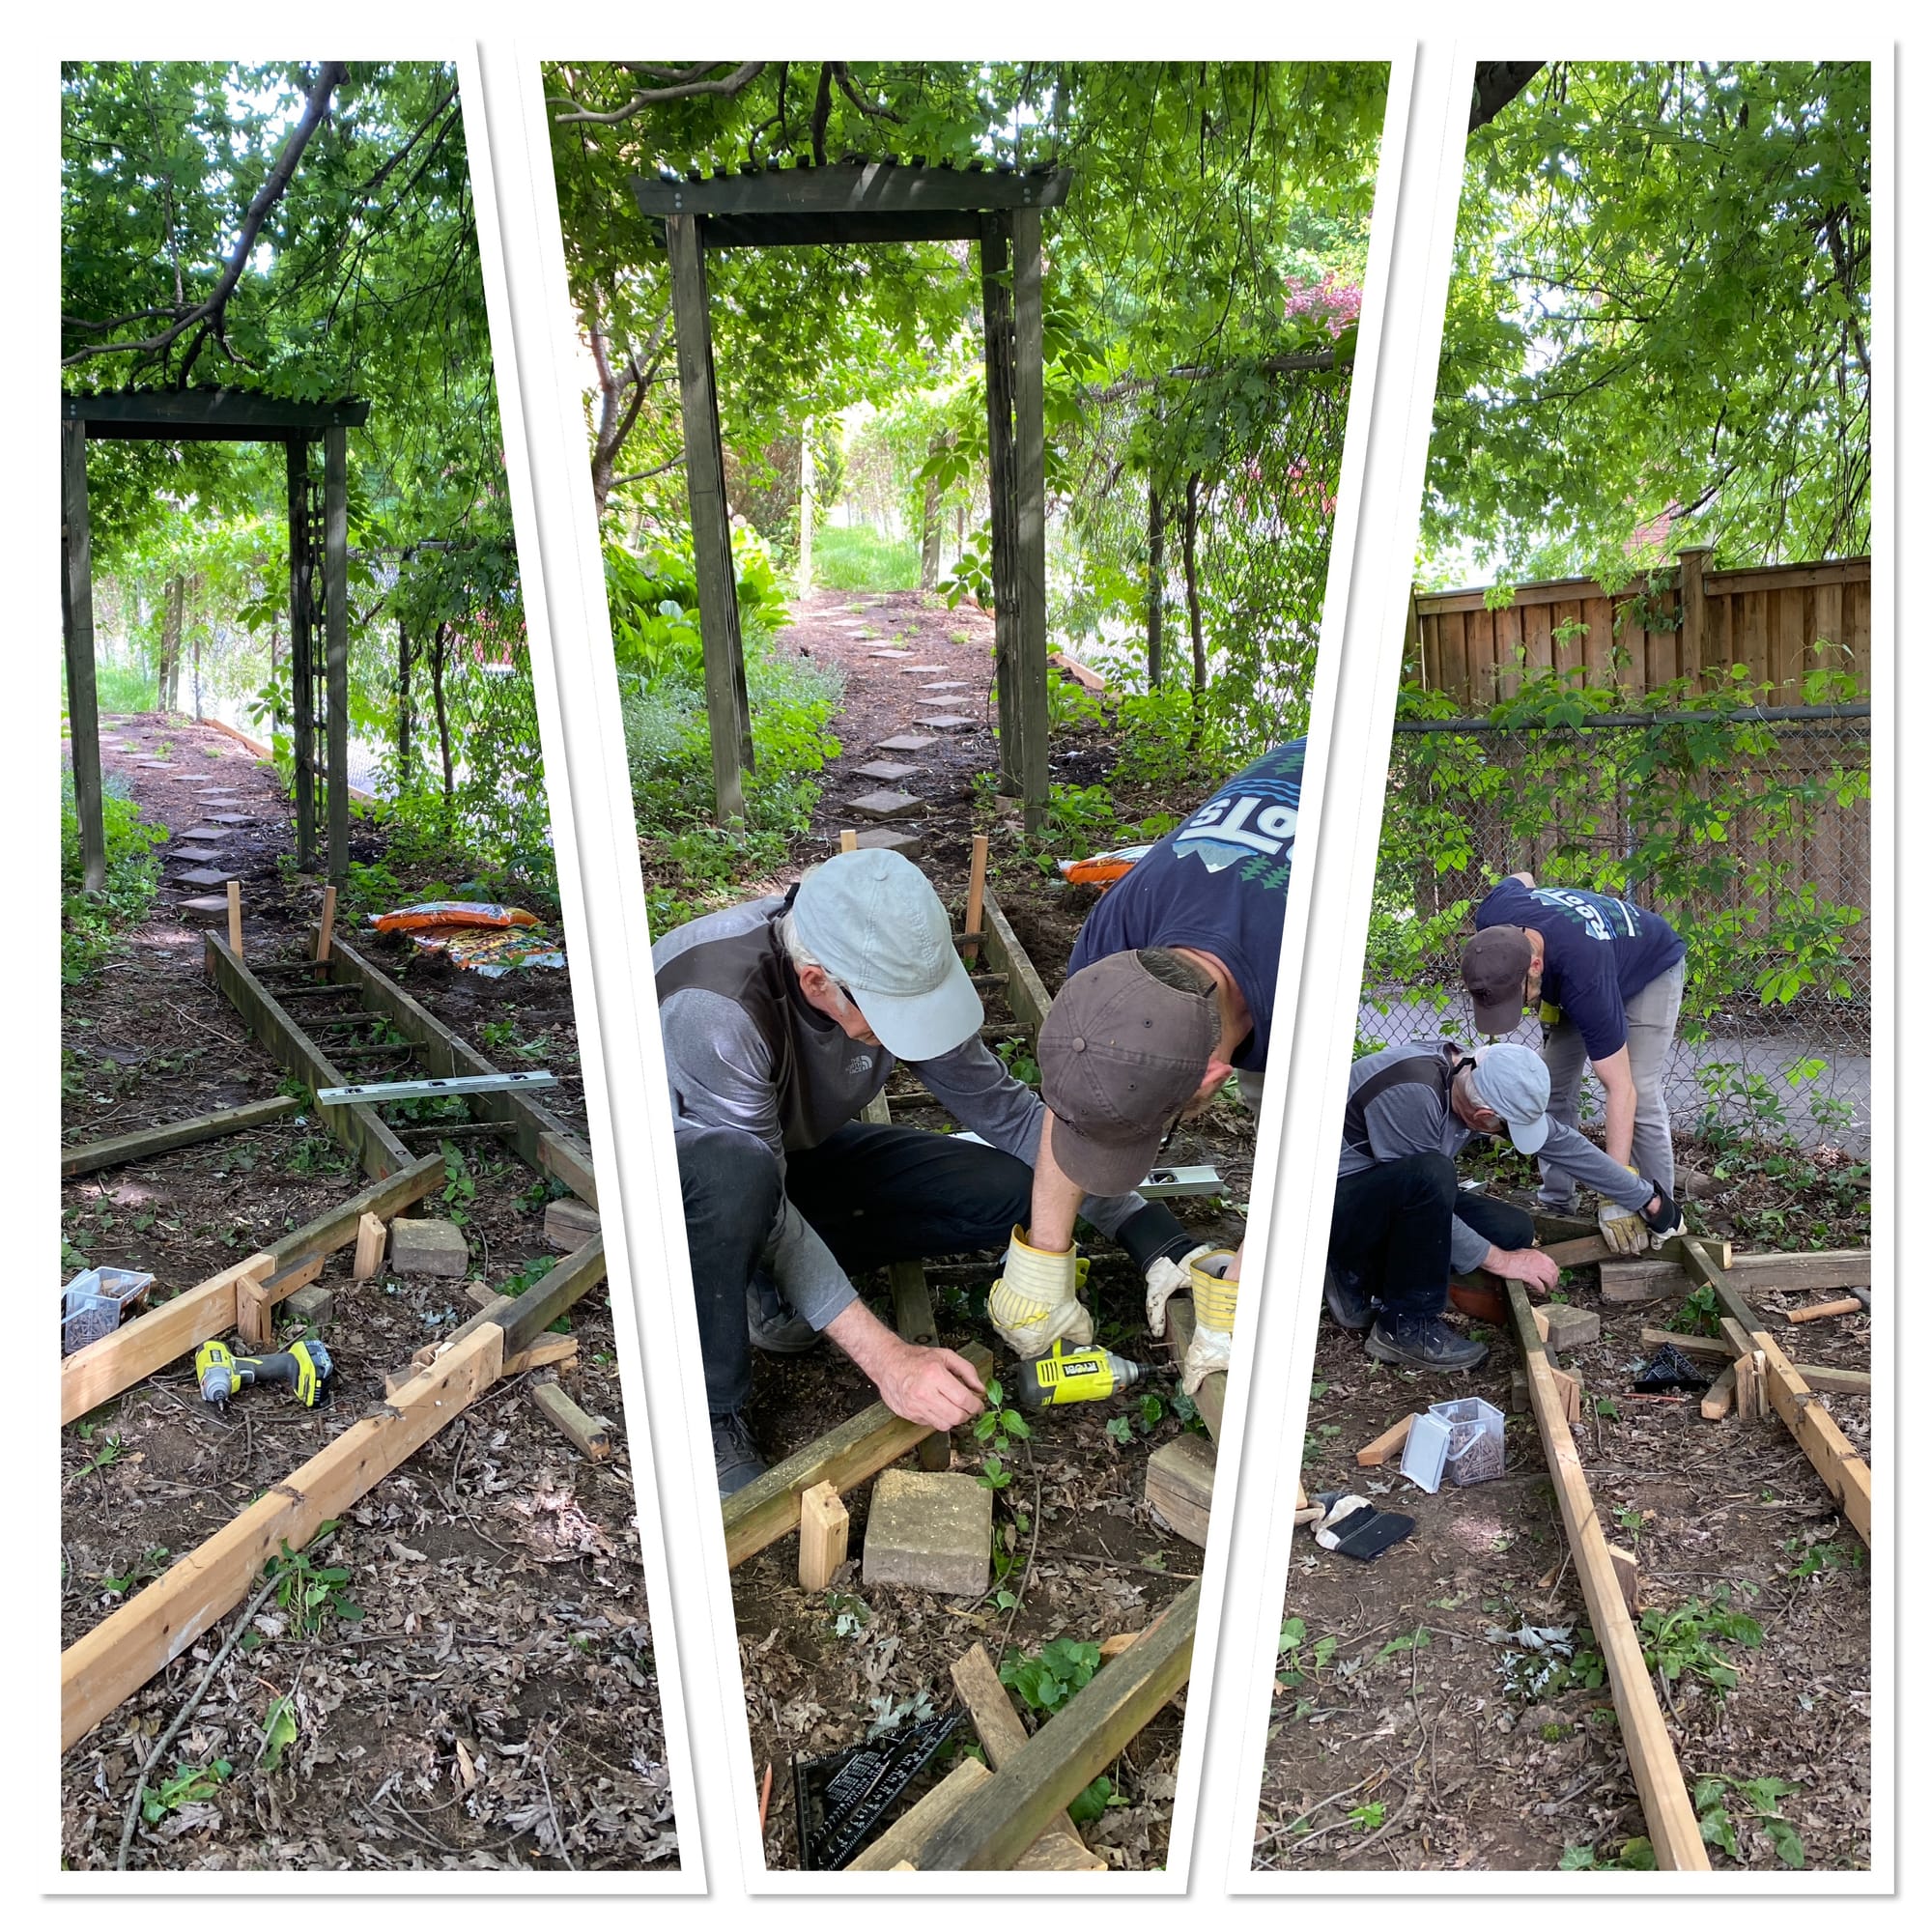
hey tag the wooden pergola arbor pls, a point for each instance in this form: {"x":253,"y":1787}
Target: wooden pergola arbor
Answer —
{"x":865,"y":203}
{"x":318,"y":600}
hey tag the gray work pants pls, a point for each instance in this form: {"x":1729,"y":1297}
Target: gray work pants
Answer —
{"x":1650,"y":1017}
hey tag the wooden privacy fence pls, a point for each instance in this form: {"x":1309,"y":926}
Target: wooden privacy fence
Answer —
{"x":1648,"y":636}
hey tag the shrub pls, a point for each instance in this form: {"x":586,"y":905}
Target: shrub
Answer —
{"x":90,"y":922}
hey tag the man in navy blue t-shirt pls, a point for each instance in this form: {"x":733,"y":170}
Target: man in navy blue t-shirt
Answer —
{"x":1609,"y":977}
{"x":1214,"y":892}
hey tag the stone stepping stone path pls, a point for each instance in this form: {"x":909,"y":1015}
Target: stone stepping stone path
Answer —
{"x":891,"y":651}
{"x":205,"y":835}
{"x":948,"y":721}
{"x":923,"y":667}
{"x":887,"y":805}
{"x":891,"y":838}
{"x":947,"y":684}
{"x":202,"y":875}
{"x":194,"y":855}
{"x":233,"y":817}
{"x":907,"y":742}
{"x":886,"y":769}
{"x":212,"y":908}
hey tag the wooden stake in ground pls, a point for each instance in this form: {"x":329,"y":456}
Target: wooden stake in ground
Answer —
{"x":1674,"y":1833}
{"x":590,"y":1433}
{"x":371,"y":1238}
{"x":824,"y":1531}
{"x":975,"y":898}
{"x":327,"y":931}
{"x":1849,"y":1304}
{"x":848,"y":840}
{"x":235,"y":917}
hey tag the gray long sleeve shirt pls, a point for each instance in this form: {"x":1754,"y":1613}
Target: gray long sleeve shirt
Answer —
{"x":1411,"y":1117}
{"x":745,"y":1051}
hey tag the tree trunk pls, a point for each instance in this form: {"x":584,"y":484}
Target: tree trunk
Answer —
{"x":172,"y":596}
{"x":437,"y":665}
{"x":930,"y":526}
{"x":1189,"y":530}
{"x":403,"y":706}
{"x":1156,"y":593}
{"x":808,"y":507}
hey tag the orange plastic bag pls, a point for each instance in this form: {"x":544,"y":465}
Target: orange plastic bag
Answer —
{"x":1103,"y":868}
{"x":432,"y":914}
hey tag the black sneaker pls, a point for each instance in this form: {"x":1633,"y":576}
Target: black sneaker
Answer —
{"x":775,"y":1327}
{"x":1422,"y":1341}
{"x":1342,"y":1290}
{"x":735,"y":1453}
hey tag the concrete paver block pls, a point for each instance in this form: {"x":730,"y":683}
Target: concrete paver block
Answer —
{"x":888,"y":805}
{"x":906,"y":742}
{"x":428,"y":1247}
{"x":313,"y":1306}
{"x":948,"y":721}
{"x":891,"y":838}
{"x":929,"y":1532}
{"x":1572,"y":1327}
{"x":202,"y":875}
{"x":886,"y":770}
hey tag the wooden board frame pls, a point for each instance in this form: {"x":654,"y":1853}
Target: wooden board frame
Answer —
{"x":1026,"y":992}
{"x":360,"y":1129}
{"x":1674,"y":1833}
{"x":767,"y":1509}
{"x":542,"y":1139}
{"x":91,"y":1156}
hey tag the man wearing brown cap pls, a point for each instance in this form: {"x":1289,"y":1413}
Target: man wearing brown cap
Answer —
{"x":1609,"y":977}
{"x":1210,"y":897}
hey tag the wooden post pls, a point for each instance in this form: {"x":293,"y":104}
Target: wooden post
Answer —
{"x":1691,"y":567}
{"x":235,"y":917}
{"x":1030,"y":477}
{"x":997,"y":307}
{"x":590,"y":1434}
{"x":848,"y":840}
{"x":327,"y":930}
{"x":255,"y":1312}
{"x":83,"y":714}
{"x":371,"y":1238}
{"x":975,"y":898}
{"x":301,"y":652}
{"x":336,"y":627}
{"x":710,"y":518}
{"x":824,"y":1531}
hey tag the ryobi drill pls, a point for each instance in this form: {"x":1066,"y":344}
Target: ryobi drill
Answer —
{"x":305,"y":1368}
{"x":1074,"y":1374}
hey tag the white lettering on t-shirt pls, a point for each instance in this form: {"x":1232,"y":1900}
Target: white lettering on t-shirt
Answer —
{"x":1276,"y":824}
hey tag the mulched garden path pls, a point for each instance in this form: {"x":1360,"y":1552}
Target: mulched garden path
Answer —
{"x":494,"y":1705}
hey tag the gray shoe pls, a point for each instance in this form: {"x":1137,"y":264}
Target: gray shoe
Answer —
{"x":774,"y":1327}
{"x":735,"y":1453}
{"x":1422,"y":1341}
{"x":1348,"y":1305}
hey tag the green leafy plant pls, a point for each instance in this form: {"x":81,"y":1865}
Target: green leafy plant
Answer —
{"x":188,"y":1784}
{"x":999,"y":1426}
{"x":1694,"y":1640}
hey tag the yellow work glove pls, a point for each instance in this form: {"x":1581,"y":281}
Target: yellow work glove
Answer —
{"x":1215,"y":1294}
{"x":1165,"y":1279}
{"x":1622,"y":1228}
{"x":1035,"y":1303}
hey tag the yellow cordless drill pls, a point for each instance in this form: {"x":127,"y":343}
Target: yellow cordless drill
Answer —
{"x":305,"y":1367}
{"x":1074,"y":1374}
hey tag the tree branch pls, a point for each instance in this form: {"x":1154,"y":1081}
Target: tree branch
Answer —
{"x":732,"y":83}
{"x":315,"y":111}
{"x":1497,"y":84}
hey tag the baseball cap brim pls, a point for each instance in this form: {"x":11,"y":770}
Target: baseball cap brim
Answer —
{"x":1499,"y":1016}
{"x":1528,"y":1136}
{"x":1102,"y":1167}
{"x":922,"y":1026}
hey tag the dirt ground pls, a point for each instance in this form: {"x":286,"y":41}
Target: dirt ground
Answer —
{"x":1419,"y":1726}
{"x":477,"y":1691}
{"x":1076,"y":1541}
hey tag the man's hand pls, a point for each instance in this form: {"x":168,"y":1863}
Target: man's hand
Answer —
{"x":1035,"y":1303}
{"x":1530,"y":1265}
{"x":1662,"y":1218}
{"x":930,"y":1386}
{"x":1623,"y":1228}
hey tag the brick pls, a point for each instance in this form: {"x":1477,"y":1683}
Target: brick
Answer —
{"x":313,"y":1306}
{"x":1572,"y":1327}
{"x":569,"y":1223}
{"x":428,"y":1247}
{"x":887,"y":805}
{"x":929,"y":1532}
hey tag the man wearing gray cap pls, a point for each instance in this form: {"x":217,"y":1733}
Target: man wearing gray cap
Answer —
{"x":781,"y":1020}
{"x":1401,"y":1225}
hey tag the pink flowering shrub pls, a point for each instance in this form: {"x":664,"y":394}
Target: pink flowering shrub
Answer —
{"x":1331,"y":300}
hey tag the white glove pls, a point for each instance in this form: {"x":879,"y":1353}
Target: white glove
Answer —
{"x":1036,"y":1301}
{"x":1215,"y":1294}
{"x":1622,"y":1228}
{"x":1165,"y":1278}
{"x":1343,"y":1508}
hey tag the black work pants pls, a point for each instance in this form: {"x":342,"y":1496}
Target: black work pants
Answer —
{"x":1391,"y":1229}
{"x":875,"y":1195}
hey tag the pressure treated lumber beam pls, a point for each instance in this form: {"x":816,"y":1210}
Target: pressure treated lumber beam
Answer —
{"x":146,"y":1142}
{"x":448,"y":1057}
{"x":763,"y":1511}
{"x":1211,"y":1398}
{"x":1827,"y":1446}
{"x":154,"y":1626}
{"x":1004,"y":1737}
{"x":903,"y":1841}
{"x":101,"y":1370}
{"x":360,"y":1129}
{"x":1004,"y":1816}
{"x":1026,"y":994}
{"x":1660,"y":1781}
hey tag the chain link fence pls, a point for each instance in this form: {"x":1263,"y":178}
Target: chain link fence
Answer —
{"x":1748,"y":829}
